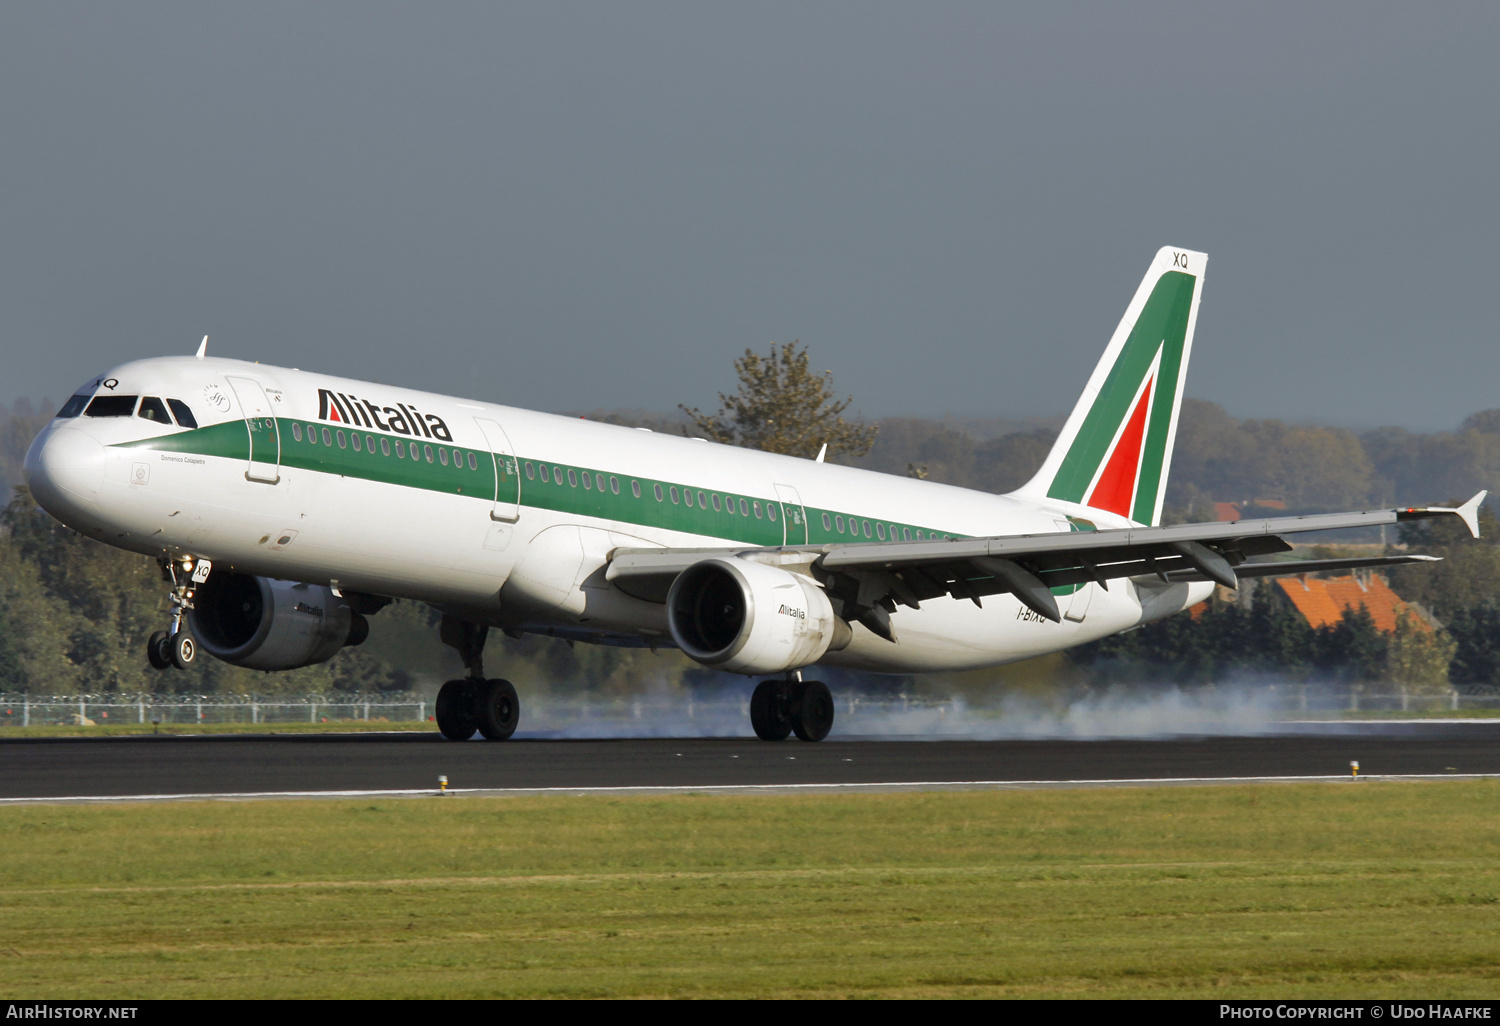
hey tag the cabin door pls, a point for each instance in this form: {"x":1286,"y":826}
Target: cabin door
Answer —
{"x":507,"y":497}
{"x":793,"y":516}
{"x":265,"y":436}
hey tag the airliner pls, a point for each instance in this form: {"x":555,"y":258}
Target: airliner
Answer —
{"x":287,"y":507}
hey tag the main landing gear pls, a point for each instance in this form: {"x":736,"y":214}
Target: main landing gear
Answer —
{"x":176,"y":646}
{"x":781,"y":707}
{"x":474,"y":703}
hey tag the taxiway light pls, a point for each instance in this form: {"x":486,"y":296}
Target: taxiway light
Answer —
{"x":442,"y":785}
{"x":1353,"y":769}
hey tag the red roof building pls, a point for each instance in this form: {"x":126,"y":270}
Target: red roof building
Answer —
{"x":1323,"y":600}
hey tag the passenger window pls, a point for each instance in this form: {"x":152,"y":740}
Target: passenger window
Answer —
{"x":587,"y":483}
{"x":599,"y":481}
{"x":572,"y":477}
{"x":73,"y":407}
{"x":729,"y":503}
{"x":771,"y":510}
{"x":297,"y":432}
{"x":544,"y":472}
{"x":657,"y":490}
{"x":718,"y":505}
{"x":458,"y":458}
{"x":182,"y":413}
{"x":674,"y":495}
{"x":756,"y":506}
{"x":614,"y":484}
{"x":385,"y":446}
{"x":867,"y":528}
{"x":906,"y":534}
{"x":327,"y":437}
{"x":344,"y":442}
{"x":635,"y":489}
{"x":880,"y":531}
{"x":919,"y":534}
{"x":443,"y":457}
{"x":838,"y":524}
{"x":152,"y":409}
{"x":827,"y":523}
{"x":354,"y":437}
{"x":531,"y":471}
{"x":473,"y":463}
{"x":111,"y":406}
{"x":557,"y":475}
{"x":413,"y":452}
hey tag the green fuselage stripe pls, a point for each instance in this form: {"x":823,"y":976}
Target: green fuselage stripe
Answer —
{"x":231,"y":440}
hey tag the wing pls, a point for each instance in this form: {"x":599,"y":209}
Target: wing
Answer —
{"x":868,"y":580}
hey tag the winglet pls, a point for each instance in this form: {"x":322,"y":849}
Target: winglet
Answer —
{"x":203,"y":347}
{"x":1468,"y":512}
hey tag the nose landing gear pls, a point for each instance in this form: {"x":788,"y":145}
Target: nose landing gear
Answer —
{"x":779,"y":708}
{"x":176,"y":646}
{"x":463,"y":706}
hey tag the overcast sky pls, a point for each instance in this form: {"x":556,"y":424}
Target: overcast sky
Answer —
{"x":575,"y":206}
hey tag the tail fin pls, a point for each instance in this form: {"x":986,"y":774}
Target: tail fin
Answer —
{"x":1115,"y":449}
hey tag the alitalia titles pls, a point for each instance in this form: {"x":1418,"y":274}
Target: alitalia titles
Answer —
{"x":401,"y":419}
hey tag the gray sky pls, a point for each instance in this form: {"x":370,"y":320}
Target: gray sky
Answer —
{"x":572,"y":206}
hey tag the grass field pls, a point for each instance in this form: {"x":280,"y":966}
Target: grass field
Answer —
{"x":1375,"y":889}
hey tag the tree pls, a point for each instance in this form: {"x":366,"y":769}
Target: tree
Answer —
{"x":1418,"y":658}
{"x":1353,"y":649}
{"x":1476,"y":631}
{"x":783,"y":407}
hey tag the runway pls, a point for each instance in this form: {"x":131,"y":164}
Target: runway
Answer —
{"x":52,"y":768}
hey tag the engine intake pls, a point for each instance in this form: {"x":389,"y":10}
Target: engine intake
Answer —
{"x":750,"y":618}
{"x":266,"y":624}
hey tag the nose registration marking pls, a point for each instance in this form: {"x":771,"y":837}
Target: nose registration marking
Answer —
{"x":140,"y":473}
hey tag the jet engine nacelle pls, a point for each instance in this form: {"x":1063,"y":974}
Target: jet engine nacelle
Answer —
{"x":747,"y":617}
{"x":266,"y":624}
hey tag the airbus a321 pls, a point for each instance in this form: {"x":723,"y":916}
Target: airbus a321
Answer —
{"x":286,"y":507}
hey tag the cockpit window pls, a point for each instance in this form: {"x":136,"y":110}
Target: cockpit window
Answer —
{"x":111,"y":406}
{"x":182,"y":413}
{"x":74,"y":406}
{"x":152,"y":409}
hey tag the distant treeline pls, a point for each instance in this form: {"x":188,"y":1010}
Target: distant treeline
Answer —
{"x":1221,"y":459}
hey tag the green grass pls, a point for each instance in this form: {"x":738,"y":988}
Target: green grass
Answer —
{"x":1333,"y":890}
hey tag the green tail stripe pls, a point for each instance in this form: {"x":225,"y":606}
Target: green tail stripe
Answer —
{"x":1162,"y":323}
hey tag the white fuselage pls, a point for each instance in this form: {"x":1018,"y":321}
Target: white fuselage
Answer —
{"x":255,"y":489}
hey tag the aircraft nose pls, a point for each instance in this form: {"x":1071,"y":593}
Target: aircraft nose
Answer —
{"x":64,"y":469}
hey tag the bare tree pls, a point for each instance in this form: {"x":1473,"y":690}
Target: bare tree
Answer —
{"x":783,"y":406}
